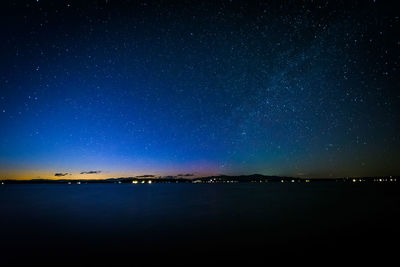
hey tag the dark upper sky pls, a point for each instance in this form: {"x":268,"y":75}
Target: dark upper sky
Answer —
{"x":108,"y":88}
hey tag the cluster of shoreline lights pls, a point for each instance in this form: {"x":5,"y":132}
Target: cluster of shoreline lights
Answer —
{"x":378,"y":180}
{"x":213,"y":180}
{"x":142,"y":182}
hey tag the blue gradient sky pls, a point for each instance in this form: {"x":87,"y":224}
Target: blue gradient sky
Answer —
{"x":303,"y":88}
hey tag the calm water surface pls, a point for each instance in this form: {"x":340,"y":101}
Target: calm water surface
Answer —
{"x":198,"y":217}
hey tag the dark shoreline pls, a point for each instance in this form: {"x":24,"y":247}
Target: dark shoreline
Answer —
{"x":255,"y":178}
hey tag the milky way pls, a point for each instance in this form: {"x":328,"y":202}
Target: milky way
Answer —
{"x":303,"y":88}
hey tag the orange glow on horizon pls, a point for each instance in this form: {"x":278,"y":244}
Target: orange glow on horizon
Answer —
{"x":51,"y":175}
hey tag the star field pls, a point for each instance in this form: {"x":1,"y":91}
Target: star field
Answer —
{"x":108,"y":88}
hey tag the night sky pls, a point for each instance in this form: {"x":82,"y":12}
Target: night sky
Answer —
{"x":98,"y":89}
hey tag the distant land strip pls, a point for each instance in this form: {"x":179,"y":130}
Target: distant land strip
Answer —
{"x":254,"y":178}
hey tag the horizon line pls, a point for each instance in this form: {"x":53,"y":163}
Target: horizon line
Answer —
{"x":194,"y":178}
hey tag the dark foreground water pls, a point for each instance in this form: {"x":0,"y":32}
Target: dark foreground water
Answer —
{"x":197,"y":219}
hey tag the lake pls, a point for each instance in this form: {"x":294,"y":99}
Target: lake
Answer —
{"x":194,"y":219}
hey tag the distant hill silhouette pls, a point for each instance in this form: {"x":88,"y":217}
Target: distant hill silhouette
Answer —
{"x":260,"y":178}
